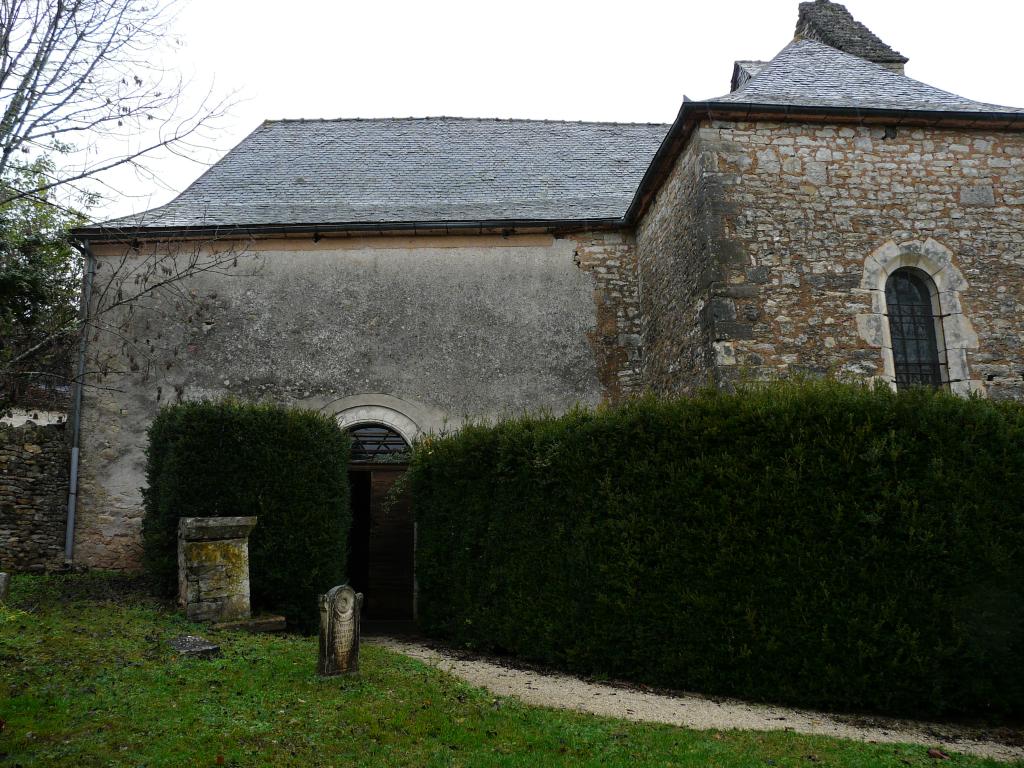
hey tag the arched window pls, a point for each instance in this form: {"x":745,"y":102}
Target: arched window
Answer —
{"x":377,"y":444}
{"x":913,"y":323}
{"x":917,"y":320}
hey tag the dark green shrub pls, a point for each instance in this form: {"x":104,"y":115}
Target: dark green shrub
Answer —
{"x":287,"y":467}
{"x":816,"y":544}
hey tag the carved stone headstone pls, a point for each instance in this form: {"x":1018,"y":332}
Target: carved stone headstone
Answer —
{"x":213,"y":567}
{"x":339,"y":631}
{"x":5,"y":586}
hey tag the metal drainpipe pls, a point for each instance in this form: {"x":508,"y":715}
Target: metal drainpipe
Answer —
{"x":76,"y":417}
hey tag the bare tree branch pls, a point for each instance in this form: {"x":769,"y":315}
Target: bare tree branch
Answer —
{"x":87,"y":72}
{"x":84,"y":91}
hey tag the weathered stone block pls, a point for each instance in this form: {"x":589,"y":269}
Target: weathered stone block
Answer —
{"x":731,"y":329}
{"x":758,"y":275}
{"x":213,"y":567}
{"x":215,"y":528}
{"x":194,"y":647}
{"x":339,"y":631}
{"x":722,"y":308}
{"x":979,"y":194}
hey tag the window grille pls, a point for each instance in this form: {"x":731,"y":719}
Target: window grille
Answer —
{"x":912,"y":321}
{"x":375,"y":443}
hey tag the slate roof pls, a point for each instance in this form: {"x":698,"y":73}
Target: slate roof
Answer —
{"x":437,"y":169}
{"x":433,"y":171}
{"x":831,"y":24}
{"x":742,"y":71}
{"x":807,"y":73}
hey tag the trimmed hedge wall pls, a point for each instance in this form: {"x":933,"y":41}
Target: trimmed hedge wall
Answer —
{"x":818,"y":544}
{"x":287,"y":467}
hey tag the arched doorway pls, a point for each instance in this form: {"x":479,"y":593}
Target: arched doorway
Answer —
{"x":382,"y":539}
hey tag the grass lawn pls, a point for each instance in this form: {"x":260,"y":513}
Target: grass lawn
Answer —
{"x":87,"y":679}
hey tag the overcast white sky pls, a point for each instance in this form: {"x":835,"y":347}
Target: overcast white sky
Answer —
{"x":543,"y":59}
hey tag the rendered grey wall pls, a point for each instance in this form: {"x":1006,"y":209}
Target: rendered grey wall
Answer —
{"x":452,"y":327}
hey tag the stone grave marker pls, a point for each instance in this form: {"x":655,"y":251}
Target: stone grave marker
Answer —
{"x":339,"y":631}
{"x":213,"y":567}
{"x":194,"y":647}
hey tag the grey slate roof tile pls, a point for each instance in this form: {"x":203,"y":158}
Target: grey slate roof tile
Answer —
{"x":416,"y":170}
{"x":742,"y":71}
{"x":807,"y":73}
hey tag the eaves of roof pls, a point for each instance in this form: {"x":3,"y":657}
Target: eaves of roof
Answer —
{"x":109,"y":234}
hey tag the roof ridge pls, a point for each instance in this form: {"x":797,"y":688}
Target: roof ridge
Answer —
{"x":454,"y":118}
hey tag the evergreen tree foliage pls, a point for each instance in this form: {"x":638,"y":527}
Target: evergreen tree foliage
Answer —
{"x":287,"y":467}
{"x":815,"y":544}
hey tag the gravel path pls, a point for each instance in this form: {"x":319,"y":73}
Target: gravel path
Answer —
{"x":691,"y":711}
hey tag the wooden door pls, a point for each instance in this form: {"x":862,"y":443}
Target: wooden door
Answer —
{"x":389,"y":576}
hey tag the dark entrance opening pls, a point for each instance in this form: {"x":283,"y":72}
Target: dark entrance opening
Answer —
{"x":382,"y":538}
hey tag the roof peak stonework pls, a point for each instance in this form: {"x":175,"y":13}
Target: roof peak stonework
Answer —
{"x":832,"y":24}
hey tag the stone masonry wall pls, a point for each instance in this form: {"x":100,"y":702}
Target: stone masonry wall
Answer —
{"x":450,"y":327}
{"x":681,"y":253}
{"x":33,"y":496}
{"x":611,"y":259}
{"x":807,"y":206}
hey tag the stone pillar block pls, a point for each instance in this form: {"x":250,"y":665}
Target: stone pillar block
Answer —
{"x":213,"y":567}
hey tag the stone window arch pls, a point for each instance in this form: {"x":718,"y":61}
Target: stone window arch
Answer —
{"x":368,"y":414}
{"x":932,"y":264}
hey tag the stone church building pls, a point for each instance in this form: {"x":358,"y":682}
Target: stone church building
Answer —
{"x":827,"y":216}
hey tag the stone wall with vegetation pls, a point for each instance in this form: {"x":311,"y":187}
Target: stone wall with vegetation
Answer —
{"x":33,"y":496}
{"x":810,"y":207}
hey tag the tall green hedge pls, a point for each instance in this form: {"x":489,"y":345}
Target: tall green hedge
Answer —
{"x":815,"y":544}
{"x":287,"y":467}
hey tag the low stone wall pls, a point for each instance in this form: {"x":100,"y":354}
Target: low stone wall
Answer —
{"x":33,"y":496}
